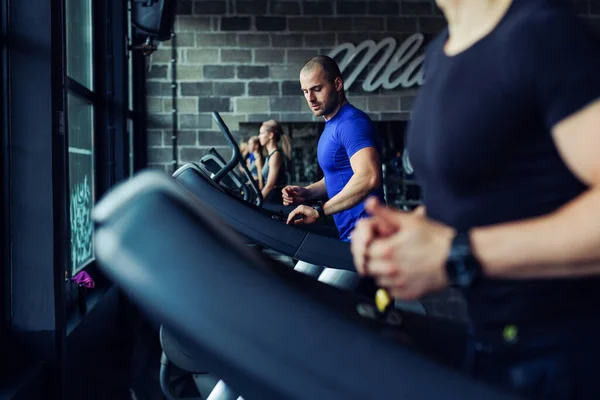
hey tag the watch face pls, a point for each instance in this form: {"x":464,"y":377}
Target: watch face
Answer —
{"x":460,"y":271}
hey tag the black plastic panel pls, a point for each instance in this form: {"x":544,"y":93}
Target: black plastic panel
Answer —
{"x":258,"y":224}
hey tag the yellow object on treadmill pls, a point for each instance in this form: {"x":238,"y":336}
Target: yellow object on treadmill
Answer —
{"x":382,"y":300}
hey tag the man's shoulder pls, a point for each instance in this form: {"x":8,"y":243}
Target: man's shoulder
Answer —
{"x":352,"y":116}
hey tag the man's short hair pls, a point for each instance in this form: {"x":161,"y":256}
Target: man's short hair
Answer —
{"x":332,"y":71}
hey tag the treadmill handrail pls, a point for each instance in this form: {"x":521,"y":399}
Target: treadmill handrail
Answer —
{"x":219,"y":333}
{"x":236,"y":157}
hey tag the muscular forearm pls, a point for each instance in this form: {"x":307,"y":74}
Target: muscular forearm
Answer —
{"x":355,"y":191}
{"x":563,"y":243}
{"x":317,"y":190}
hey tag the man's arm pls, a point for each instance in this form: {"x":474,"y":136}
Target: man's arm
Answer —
{"x":567,"y":241}
{"x":317,"y":190}
{"x":367,"y":176}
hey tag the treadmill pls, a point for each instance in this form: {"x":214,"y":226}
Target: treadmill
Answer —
{"x":224,"y":174}
{"x":263,"y":227}
{"x":268,"y":331}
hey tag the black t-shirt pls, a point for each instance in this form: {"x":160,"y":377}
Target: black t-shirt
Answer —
{"x":481,"y":145}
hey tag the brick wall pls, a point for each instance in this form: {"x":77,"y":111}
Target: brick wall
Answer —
{"x":242,"y":58}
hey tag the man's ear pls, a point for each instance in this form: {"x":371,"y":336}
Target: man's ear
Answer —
{"x":339,"y":84}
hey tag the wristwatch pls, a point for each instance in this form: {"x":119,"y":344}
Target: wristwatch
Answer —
{"x":462,"y":267}
{"x":319,"y":209}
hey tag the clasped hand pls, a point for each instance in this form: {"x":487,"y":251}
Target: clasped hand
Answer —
{"x":405,"y":252}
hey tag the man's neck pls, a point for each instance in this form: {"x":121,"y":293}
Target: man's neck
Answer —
{"x":339,"y":106}
{"x":469,"y":21}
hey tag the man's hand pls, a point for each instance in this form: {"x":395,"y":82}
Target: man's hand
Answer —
{"x":404,"y":252}
{"x":303,"y":215}
{"x":294,"y":195}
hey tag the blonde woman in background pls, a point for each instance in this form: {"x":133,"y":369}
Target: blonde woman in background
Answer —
{"x":273,"y":173}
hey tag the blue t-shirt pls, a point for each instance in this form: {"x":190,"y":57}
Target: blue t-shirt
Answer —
{"x":481,"y":145}
{"x":349,"y":131}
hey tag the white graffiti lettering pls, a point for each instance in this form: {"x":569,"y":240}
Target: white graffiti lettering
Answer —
{"x":403,"y":63}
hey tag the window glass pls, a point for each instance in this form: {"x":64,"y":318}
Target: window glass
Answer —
{"x":130,"y":147}
{"x":79,"y":41}
{"x":81,"y":180}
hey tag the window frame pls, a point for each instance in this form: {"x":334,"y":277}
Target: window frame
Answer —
{"x":111,"y":158}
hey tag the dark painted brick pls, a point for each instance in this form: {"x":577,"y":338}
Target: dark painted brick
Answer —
{"x":299,"y":56}
{"x":416,"y":8}
{"x":192,"y":24}
{"x":252,"y":72}
{"x":319,"y":40}
{"x":195,"y":121}
{"x":293,"y":40}
{"x":336,"y":24}
{"x":235,"y":23}
{"x":184,"y":7}
{"x":320,"y":8}
{"x":407,"y":102}
{"x":191,"y":154}
{"x":159,"y":155}
{"x":270,"y":23}
{"x":211,"y":138}
{"x":215,"y":40}
{"x":158,"y":89}
{"x":595,"y":7}
{"x":431,"y":24}
{"x":269,"y":56}
{"x":384,"y":8}
{"x":158,"y":72}
{"x":263,"y":89}
{"x":254,"y":7}
{"x":196,"y":88}
{"x":352,"y":37}
{"x":187,"y":138}
{"x":303,"y":24}
{"x":203,"y":7}
{"x":230,"y":89}
{"x":378,"y":36}
{"x":287,"y":103}
{"x":285,"y":7}
{"x":210,"y":104}
{"x":232,"y":55}
{"x":254,"y":40}
{"x":297,"y":117}
{"x":155,"y":138}
{"x":291,"y":88}
{"x":344,"y":7}
{"x":402,"y":24}
{"x":263,"y":117}
{"x":218,"y":72}
{"x":159,"y":121}
{"x":400,"y":116}
{"x":365,"y":24}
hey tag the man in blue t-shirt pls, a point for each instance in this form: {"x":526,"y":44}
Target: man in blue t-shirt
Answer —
{"x":505,"y":142}
{"x":349,"y":152}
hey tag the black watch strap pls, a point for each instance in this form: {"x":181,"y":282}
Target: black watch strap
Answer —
{"x":462,"y":267}
{"x":319,"y":209}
